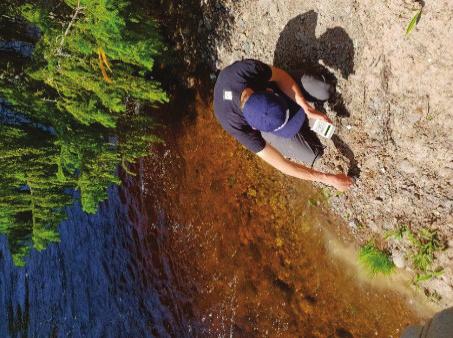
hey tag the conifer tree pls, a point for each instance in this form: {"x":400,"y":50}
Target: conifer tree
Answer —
{"x":98,"y":61}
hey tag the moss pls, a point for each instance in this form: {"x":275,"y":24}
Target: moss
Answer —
{"x":375,"y":261}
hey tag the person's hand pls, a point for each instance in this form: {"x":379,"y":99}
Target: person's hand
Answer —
{"x":312,"y":113}
{"x":340,"y":182}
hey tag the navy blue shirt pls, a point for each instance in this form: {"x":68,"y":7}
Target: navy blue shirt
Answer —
{"x":227,"y":99}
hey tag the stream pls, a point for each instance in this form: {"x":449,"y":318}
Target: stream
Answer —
{"x":203,"y":241}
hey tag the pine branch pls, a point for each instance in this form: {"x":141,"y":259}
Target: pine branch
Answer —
{"x":78,"y":9}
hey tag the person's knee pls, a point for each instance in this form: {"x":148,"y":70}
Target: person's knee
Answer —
{"x":316,"y":88}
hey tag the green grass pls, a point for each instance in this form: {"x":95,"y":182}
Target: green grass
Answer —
{"x":424,"y":244}
{"x":414,"y":21}
{"x":375,"y":261}
{"x":423,"y":277}
{"x":397,"y":233}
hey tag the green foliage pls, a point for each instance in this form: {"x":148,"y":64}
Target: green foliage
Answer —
{"x":414,"y":21}
{"x":20,"y":255}
{"x":423,"y":246}
{"x":31,"y":200}
{"x":375,"y":261}
{"x":423,"y":277}
{"x":88,"y":70}
{"x":69,"y":62}
{"x":397,"y":233}
{"x":313,"y":202}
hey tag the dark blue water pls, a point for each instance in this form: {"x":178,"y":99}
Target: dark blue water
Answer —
{"x":110,"y":276}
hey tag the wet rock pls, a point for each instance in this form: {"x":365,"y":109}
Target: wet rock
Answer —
{"x":191,"y":81}
{"x":343,"y":333}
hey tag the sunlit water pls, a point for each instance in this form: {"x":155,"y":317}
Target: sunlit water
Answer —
{"x":202,"y":242}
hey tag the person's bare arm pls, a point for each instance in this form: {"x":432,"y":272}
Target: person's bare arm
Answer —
{"x":288,"y":86}
{"x":270,"y":155}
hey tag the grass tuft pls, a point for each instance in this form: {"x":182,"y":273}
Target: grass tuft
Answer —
{"x":414,"y":21}
{"x":424,"y":245}
{"x":375,"y":261}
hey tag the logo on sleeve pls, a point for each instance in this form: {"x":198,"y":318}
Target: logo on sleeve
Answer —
{"x":227,"y":95}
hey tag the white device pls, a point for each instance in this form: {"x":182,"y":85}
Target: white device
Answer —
{"x":323,"y":128}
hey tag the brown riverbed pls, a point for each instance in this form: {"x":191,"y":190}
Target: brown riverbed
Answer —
{"x":257,"y":248}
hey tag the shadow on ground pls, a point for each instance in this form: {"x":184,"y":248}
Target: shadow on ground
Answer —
{"x":299,"y":50}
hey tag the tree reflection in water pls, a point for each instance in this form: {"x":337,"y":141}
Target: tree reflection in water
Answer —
{"x":70,"y":112}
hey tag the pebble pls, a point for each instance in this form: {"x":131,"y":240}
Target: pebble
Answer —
{"x":407,"y":167}
{"x":446,"y":172}
{"x":398,"y":259}
{"x":353,"y":223}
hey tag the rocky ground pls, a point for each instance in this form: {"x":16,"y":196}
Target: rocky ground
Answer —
{"x":392,"y":108}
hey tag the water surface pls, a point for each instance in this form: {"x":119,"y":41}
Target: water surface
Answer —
{"x":259,"y":245}
{"x":110,"y":276}
{"x":204,"y":241}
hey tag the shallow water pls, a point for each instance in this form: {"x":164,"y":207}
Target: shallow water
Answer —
{"x":204,"y":241}
{"x":266,"y":255}
{"x":110,"y":276}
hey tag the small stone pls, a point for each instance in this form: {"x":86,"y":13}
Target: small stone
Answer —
{"x":398,"y":259}
{"x":446,"y":172}
{"x":407,"y":167}
{"x":191,"y":81}
{"x":413,"y":118}
{"x":353,"y":223}
{"x":247,"y":47}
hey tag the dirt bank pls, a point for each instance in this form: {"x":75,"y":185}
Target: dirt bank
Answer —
{"x":393,"y":110}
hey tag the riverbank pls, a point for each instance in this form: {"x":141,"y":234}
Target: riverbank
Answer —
{"x":393,"y":115}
